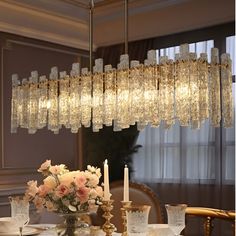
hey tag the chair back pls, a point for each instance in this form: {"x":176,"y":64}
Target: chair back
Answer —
{"x":138,"y":194}
{"x":209,"y":214}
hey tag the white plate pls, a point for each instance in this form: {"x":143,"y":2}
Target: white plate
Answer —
{"x":42,"y":226}
{"x":26,"y":231}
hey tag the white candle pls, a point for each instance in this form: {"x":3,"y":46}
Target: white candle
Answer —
{"x":126,"y":184}
{"x":106,"y":182}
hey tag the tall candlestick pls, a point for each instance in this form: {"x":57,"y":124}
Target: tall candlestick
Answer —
{"x":106,"y":182}
{"x":126,"y":184}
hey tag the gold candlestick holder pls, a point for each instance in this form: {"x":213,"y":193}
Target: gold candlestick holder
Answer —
{"x":108,"y":227}
{"x":123,"y":216}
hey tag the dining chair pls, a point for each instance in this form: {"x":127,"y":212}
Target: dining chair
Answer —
{"x":209,"y":214}
{"x":138,"y":194}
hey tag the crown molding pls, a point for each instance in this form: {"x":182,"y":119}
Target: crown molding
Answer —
{"x":45,"y":36}
{"x":150,"y":34}
{"x":45,"y":25}
{"x":157,"y":22}
{"x":35,"y":11}
{"x":60,"y":21}
{"x":115,"y":10}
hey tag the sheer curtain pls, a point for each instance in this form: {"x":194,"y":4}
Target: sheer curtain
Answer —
{"x":177,"y":155}
{"x":183,"y":155}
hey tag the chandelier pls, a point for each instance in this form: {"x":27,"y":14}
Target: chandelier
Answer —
{"x":187,"y":89}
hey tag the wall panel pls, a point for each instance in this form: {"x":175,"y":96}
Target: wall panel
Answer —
{"x":21,"y":153}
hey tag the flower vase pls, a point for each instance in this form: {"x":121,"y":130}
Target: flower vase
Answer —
{"x":74,"y":224}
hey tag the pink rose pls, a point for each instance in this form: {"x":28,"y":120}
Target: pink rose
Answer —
{"x":45,"y":166}
{"x":83,"y":194}
{"x":80,"y":181}
{"x":62,"y":190}
{"x":43,"y":190}
{"x":39,"y":202}
{"x":32,"y":188}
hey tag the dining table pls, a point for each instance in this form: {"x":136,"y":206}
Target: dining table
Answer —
{"x":51,"y":230}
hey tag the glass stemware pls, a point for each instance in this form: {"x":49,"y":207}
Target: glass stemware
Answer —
{"x":176,"y":217}
{"x":20,"y":212}
{"x":137,"y":220}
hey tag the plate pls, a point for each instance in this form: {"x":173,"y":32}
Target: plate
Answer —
{"x":26,"y":231}
{"x":42,"y":226}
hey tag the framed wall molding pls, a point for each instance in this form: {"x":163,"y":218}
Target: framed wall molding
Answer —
{"x":16,"y":174}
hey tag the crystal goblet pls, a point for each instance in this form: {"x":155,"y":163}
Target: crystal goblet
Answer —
{"x":137,"y":220}
{"x":20,"y":212}
{"x":176,"y":217}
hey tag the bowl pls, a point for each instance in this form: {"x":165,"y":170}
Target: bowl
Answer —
{"x":8,"y":225}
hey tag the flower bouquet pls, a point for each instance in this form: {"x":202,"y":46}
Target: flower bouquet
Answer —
{"x":66,"y":192}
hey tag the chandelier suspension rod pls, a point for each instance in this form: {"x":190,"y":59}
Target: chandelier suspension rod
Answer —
{"x":126,"y":26}
{"x":91,"y":7}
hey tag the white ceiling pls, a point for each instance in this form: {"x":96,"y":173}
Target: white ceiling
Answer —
{"x":66,"y":21}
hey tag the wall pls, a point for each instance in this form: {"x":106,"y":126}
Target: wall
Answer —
{"x":21,"y":154}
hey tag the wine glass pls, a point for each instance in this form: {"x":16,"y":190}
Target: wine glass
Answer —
{"x":20,"y":212}
{"x":176,"y":217}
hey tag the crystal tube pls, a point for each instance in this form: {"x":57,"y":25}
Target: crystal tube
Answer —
{"x":97,"y":109}
{"x":214,"y":89}
{"x":122,"y":99}
{"x":109,"y":99}
{"x":43,"y":102}
{"x":135,"y":92}
{"x":14,"y":104}
{"x":86,"y":100}
{"x":24,"y":100}
{"x":182,"y":91}
{"x":194,"y":91}
{"x":53,"y":114}
{"x":203,"y":87}
{"x":151,"y":90}
{"x":166,"y":91}
{"x":226,"y":82}
{"x":33,"y":103}
{"x":64,"y":86}
{"x":74,"y":105}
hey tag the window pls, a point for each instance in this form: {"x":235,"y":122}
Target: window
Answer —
{"x":230,"y":48}
{"x":229,"y":139}
{"x":199,"y":47}
{"x":181,"y":154}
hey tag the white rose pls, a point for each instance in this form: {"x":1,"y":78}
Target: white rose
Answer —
{"x":93,"y":180}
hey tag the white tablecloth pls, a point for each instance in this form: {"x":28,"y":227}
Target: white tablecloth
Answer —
{"x":50,"y":230}
{"x":153,"y":229}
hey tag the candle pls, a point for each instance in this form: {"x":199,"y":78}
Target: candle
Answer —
{"x":106,"y":182}
{"x":126,"y":184}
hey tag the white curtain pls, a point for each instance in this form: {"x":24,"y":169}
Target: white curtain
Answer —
{"x":184,"y":155}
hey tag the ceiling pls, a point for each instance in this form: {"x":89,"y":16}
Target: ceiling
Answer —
{"x":66,"y":21}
